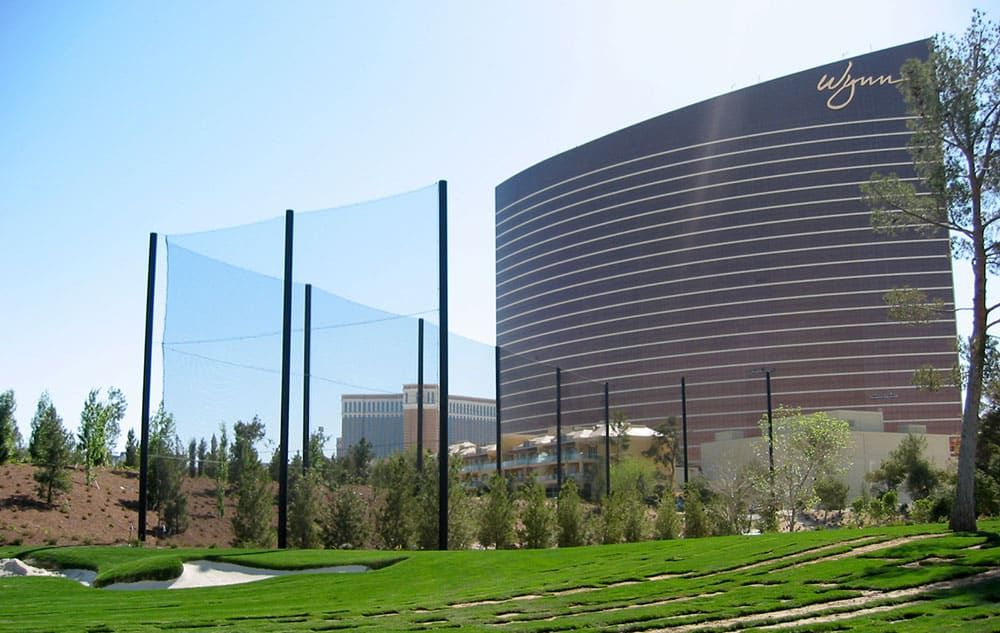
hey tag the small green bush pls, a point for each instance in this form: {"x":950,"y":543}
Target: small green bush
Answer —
{"x":668,"y":523}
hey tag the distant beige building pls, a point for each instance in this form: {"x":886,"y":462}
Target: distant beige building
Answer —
{"x":870,"y":445}
{"x":526,"y":455}
{"x":389,"y":421}
{"x":469,"y":419}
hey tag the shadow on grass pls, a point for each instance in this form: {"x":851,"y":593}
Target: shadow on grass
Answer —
{"x":987,"y":592}
{"x":992,"y":539}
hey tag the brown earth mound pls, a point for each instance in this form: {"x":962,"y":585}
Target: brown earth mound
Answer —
{"x":105,"y":512}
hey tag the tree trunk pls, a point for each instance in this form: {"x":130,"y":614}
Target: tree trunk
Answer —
{"x":963,"y":514}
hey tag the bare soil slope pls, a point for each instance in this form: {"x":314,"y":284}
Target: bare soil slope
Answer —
{"x":102,"y":513}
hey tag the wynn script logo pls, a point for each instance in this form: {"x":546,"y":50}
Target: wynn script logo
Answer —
{"x":843,"y":87}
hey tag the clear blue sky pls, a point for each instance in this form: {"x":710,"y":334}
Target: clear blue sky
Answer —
{"x":122,"y":118}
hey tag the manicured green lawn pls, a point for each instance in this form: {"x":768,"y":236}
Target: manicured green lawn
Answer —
{"x":723,"y":582}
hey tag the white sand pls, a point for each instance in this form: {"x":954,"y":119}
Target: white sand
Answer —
{"x":203,"y":573}
{"x":199,"y":573}
{"x":14,"y":567}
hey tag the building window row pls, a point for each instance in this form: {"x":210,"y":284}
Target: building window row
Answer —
{"x":373,"y":406}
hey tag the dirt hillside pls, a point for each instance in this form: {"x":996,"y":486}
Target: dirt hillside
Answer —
{"x":102,"y":513}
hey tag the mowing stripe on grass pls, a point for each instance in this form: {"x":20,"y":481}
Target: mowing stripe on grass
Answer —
{"x":848,"y":608}
{"x":865,"y":549}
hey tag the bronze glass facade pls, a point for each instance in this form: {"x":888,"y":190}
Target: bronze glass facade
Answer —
{"x":718,"y":240}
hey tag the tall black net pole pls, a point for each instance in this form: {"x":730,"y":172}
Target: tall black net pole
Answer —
{"x":607,"y":439}
{"x":496,"y":370}
{"x":443,"y":365}
{"x":770,"y":428}
{"x":306,"y":352}
{"x":420,"y":395}
{"x":147,"y":360}
{"x":286,"y":374}
{"x":559,"y":468}
{"x":684,"y":425}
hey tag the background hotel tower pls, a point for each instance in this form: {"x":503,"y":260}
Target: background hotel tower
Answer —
{"x":720,"y":240}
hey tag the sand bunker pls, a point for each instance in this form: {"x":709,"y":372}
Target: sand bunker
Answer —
{"x":199,"y":573}
{"x":204,"y":573}
{"x":14,"y":567}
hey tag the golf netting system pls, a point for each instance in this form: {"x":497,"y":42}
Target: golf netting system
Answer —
{"x":370,"y":276}
{"x":373,"y":269}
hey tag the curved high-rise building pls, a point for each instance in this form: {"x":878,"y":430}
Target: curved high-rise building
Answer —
{"x":718,"y":242}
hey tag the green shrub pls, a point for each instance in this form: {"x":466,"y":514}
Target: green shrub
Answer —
{"x":496,"y":518}
{"x":668,"y":523}
{"x":345,"y":526}
{"x":695,"y":519}
{"x":569,"y":516}
{"x":537,"y":518}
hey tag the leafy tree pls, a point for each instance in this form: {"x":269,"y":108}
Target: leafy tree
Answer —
{"x":461,"y":511}
{"x":598,"y":487}
{"x":832,"y":495}
{"x":244,"y":449}
{"x":619,"y":435}
{"x":8,"y":426}
{"x":172,"y":500}
{"x":934,"y":508}
{"x":213,"y":457}
{"x":569,"y":516}
{"x":163,"y":459}
{"x":202,"y":457}
{"x":393,"y":484}
{"x":954,"y":99}
{"x":221,"y":470}
{"x":987,"y":495}
{"x":695,"y":519}
{"x":335,"y":472}
{"x":537,"y":518}
{"x":99,"y":429}
{"x":304,"y":501}
{"x":192,"y":454}
{"x":859,"y":509}
{"x":345,"y":525}
{"x":424,"y":510}
{"x":42,"y":409}
{"x":354,"y":466}
{"x":496,"y":518}
{"x":317,"y":444}
{"x":90,"y":437}
{"x":732,"y":498}
{"x":665,"y":451}
{"x":359,"y":459}
{"x":51,"y":448}
{"x":254,"y":508}
{"x":636,"y":475}
{"x":890,"y":505}
{"x":635,"y":524}
{"x":254,"y":498}
{"x":668,"y":524}
{"x":807,"y":447}
{"x":20,"y":452}
{"x":612,"y":517}
{"x":623,"y":513}
{"x":988,"y":465}
{"x":167,"y":461}
{"x":907,"y":465}
{"x":131,"y":450}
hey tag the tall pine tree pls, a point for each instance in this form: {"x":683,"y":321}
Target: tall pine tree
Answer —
{"x":8,"y":427}
{"x":51,"y":447}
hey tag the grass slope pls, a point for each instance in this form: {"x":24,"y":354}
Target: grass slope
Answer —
{"x":726,"y":583}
